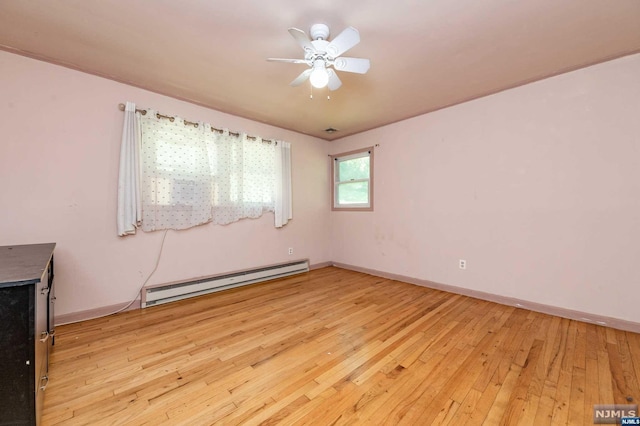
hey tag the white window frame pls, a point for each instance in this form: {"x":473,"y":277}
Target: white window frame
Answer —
{"x":335,"y":182}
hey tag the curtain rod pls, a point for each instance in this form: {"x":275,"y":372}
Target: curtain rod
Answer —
{"x":195,"y":124}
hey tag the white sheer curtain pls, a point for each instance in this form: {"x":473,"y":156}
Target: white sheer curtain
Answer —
{"x":176,"y":174}
{"x":129,"y":212}
{"x":243,"y":176}
{"x":283,"y":206}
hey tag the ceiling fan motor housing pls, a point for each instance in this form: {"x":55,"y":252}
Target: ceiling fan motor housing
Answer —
{"x":319,"y":31}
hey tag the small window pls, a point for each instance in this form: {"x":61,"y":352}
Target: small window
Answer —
{"x":353,"y":180}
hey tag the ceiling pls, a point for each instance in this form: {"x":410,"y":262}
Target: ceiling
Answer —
{"x":425,"y":55}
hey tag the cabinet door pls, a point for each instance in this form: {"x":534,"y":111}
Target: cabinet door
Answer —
{"x":17,"y":405}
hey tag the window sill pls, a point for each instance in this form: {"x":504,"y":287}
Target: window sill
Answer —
{"x":351,"y":209}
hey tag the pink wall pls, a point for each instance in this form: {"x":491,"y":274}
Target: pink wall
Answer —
{"x":537,"y":188}
{"x":59,"y":166}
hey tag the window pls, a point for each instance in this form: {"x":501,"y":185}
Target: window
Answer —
{"x":191,"y":175}
{"x":353,"y":180}
{"x":175,"y":174}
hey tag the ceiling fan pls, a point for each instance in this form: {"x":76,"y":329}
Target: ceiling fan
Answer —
{"x":320,"y":55}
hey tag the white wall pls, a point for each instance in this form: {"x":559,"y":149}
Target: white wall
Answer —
{"x":59,"y":165}
{"x":537,"y":188}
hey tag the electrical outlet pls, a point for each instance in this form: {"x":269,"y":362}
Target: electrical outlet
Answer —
{"x":463,"y":264}
{"x":290,"y":250}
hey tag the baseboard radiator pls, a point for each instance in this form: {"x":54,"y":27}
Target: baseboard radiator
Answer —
{"x":165,"y":293}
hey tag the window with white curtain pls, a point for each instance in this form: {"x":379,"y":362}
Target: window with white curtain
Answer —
{"x":190,"y":175}
{"x":175,"y":174}
{"x":243,"y":176}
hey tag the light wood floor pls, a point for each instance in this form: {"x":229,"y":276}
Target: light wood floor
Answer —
{"x":337,"y":347}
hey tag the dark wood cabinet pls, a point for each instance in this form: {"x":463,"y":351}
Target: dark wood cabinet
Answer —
{"x":26,"y":330}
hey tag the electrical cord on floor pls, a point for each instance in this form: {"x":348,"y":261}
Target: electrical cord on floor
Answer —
{"x":148,"y":276}
{"x":139,"y":290}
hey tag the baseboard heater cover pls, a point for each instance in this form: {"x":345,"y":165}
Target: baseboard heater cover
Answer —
{"x":165,"y":293}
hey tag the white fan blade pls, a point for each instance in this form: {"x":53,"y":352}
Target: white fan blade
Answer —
{"x":343,"y":42}
{"x":361,"y":66}
{"x":334,"y":80}
{"x":301,"y":38}
{"x":292,"y":61}
{"x":301,"y":78}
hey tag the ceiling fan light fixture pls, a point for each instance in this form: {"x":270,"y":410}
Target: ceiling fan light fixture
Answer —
{"x":319,"y":77}
{"x":324,"y":58}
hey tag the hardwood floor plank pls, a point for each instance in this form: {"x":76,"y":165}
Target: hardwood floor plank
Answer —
{"x":500,"y":403}
{"x":336,"y":347}
{"x":563,"y":392}
{"x":467,"y":408}
{"x":577,"y":397}
{"x":546,"y":404}
{"x":402,"y":411}
{"x":487,"y":398}
{"x":605,"y":380}
{"x":633,"y":341}
{"x":519,"y":393}
{"x":591,"y":391}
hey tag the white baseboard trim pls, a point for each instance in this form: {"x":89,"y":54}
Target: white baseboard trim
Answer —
{"x":617,"y":323}
{"x":95,"y":313}
{"x":320,"y":265}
